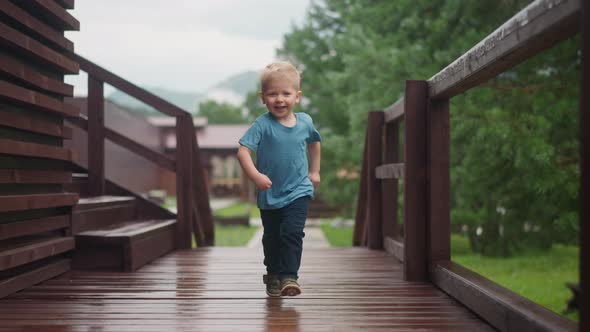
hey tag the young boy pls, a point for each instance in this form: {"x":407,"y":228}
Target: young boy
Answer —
{"x":285,"y":179}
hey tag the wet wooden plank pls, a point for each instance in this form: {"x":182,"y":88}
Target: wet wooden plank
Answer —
{"x":197,"y":288}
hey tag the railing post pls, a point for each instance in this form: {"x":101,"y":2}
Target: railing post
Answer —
{"x":203,"y":216}
{"x":358,"y":235}
{"x":184,"y":181}
{"x":415,"y":182}
{"x":390,"y":224}
{"x":374,"y":194}
{"x":439,"y":176}
{"x":584,"y":304}
{"x":96,"y":134}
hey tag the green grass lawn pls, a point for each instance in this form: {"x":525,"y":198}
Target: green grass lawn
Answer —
{"x":539,"y":276}
{"x":232,"y":236}
{"x":238,"y":209}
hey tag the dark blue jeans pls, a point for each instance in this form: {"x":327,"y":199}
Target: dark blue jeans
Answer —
{"x":283,"y":237}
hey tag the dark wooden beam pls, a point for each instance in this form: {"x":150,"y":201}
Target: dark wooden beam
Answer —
{"x":204,"y":216}
{"x":395,"y":111}
{"x":184,"y":181}
{"x":96,"y":137}
{"x":389,"y":204}
{"x":374,"y":193}
{"x":26,"y":149}
{"x":33,"y":49}
{"x":28,"y":279}
{"x":415,"y":182}
{"x":12,"y":67}
{"x":584,"y":304}
{"x":35,"y":26}
{"x":439,"y":175}
{"x":37,"y":201}
{"x":22,"y":176}
{"x":33,"y":226}
{"x":35,"y":100}
{"x":67,"y":4}
{"x":502,"y":308}
{"x":537,"y":27}
{"x":52,"y":13}
{"x":35,"y":125}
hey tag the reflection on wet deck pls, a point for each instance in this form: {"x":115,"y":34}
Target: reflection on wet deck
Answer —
{"x":220,"y":289}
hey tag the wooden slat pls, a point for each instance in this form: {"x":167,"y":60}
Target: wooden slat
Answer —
{"x":35,"y":50}
{"x":374,"y":193}
{"x":395,"y":111}
{"x":34,"y":176}
{"x":502,"y":308}
{"x":415,"y":191}
{"x":390,"y":171}
{"x":131,"y":145}
{"x":26,"y":149}
{"x":52,"y":13}
{"x":128,"y":230}
{"x":584,"y":217}
{"x":24,"y":251}
{"x":28,"y":279}
{"x":67,"y":4}
{"x":35,"y":125}
{"x":36,"y":26}
{"x":10,"y":66}
{"x":196,"y":290}
{"x":540,"y":25}
{"x":129,"y":88}
{"x":439,"y":175}
{"x":39,"y":101}
{"x":145,"y":250}
{"x":37,"y":201}
{"x":28,"y":227}
{"x":394,"y":248}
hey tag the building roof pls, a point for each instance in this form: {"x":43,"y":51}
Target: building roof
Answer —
{"x":169,"y":121}
{"x":214,"y":137}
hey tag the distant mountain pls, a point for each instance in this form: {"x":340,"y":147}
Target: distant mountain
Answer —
{"x":232,"y":90}
{"x":185,"y":100}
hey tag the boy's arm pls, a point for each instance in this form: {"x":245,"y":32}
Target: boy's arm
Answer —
{"x":244,"y":157}
{"x":314,"y":150}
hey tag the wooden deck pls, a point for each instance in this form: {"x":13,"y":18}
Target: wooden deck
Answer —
{"x":220,"y":289}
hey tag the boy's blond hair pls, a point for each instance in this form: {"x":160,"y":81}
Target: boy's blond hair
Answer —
{"x":282,"y":70}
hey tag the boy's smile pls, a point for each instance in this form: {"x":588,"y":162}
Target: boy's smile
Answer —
{"x":280,"y":97}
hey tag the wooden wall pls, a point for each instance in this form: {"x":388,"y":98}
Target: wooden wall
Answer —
{"x":35,"y":211}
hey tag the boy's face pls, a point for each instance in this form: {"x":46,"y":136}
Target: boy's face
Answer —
{"x":280,"y":96}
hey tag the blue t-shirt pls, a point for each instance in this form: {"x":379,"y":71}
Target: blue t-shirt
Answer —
{"x":281,"y":154}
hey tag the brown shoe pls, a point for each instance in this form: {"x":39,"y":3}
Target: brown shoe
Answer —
{"x":290,"y":287}
{"x":273,"y":285}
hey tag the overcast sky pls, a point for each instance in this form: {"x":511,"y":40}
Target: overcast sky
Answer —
{"x":185,"y":45}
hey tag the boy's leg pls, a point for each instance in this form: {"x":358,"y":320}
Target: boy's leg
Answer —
{"x":271,"y":240}
{"x":291,"y":233}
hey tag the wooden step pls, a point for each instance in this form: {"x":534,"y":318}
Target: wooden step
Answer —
{"x":36,"y":201}
{"x":125,"y":246}
{"x":24,"y":250}
{"x":36,"y":275}
{"x":98,"y":212}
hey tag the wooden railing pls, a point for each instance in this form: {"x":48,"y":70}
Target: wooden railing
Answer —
{"x":192,"y":199}
{"x":425,"y":248}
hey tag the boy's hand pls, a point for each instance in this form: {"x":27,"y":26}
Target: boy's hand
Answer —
{"x":315,"y":179}
{"x":262,"y":181}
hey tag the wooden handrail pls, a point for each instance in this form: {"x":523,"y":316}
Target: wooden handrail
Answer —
{"x":193,"y":209}
{"x":156,"y":157}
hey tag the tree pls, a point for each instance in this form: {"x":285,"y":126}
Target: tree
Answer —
{"x":221,"y":113}
{"x":513,"y":167}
